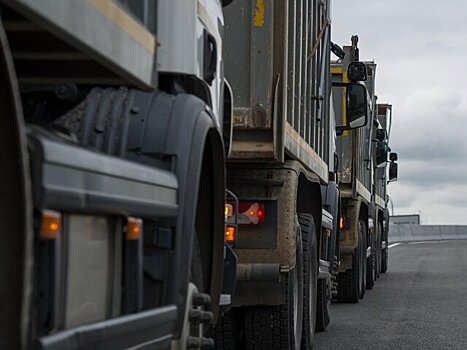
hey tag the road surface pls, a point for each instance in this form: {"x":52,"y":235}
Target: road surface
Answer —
{"x":420,"y":303}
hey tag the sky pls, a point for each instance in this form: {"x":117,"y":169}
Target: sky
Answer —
{"x":420,"y":48}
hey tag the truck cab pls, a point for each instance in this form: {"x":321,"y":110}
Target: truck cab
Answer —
{"x":114,"y":126}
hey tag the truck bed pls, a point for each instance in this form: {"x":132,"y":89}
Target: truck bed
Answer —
{"x":279,"y":86}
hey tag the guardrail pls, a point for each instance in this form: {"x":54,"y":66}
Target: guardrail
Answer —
{"x":410,"y":233}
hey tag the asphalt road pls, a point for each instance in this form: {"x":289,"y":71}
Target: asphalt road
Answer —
{"x":420,"y":303}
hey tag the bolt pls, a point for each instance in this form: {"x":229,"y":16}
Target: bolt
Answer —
{"x":193,"y":343}
{"x":201,"y":299}
{"x":195,"y":315}
{"x":135,"y":110}
{"x":207,"y":317}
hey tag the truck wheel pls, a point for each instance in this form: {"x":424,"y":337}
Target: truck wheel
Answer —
{"x":227,"y":332}
{"x":323,"y":306}
{"x":351,"y":283}
{"x":279,"y":327}
{"x":362,"y":234}
{"x":379,"y":251}
{"x":199,"y":302}
{"x":371,"y":263}
{"x":16,"y":212}
{"x":384,"y":260}
{"x":310,"y":271}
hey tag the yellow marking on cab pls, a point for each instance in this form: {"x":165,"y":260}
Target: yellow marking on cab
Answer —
{"x":114,"y":13}
{"x":259,"y":14}
{"x":336,"y":70}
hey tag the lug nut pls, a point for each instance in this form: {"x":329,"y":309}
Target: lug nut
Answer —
{"x":201,"y":299}
{"x":193,"y":343}
{"x":195,"y":315}
{"x":207,"y":317}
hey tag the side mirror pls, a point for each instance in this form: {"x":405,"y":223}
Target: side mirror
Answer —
{"x":393,"y":157}
{"x":357,"y":71}
{"x":392,"y":171}
{"x":381,"y":154}
{"x":356,"y":105}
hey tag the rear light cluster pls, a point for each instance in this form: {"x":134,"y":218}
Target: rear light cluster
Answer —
{"x":249,"y":213}
{"x":230,"y":230}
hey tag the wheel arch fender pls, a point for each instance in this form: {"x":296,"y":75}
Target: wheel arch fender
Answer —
{"x":183,"y":129}
{"x":199,"y":167}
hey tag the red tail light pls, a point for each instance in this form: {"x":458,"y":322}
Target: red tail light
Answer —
{"x":251,"y":213}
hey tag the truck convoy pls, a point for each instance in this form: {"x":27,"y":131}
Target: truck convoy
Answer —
{"x":119,"y":138}
{"x":363,"y":166}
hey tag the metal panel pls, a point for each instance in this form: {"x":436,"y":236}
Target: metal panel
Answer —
{"x":100,"y":29}
{"x":152,"y":328}
{"x":73,"y":178}
{"x":279,"y":73}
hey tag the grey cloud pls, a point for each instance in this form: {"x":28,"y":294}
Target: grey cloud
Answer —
{"x":421,"y":49}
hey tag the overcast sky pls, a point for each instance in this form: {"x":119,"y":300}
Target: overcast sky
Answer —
{"x":420,"y":48}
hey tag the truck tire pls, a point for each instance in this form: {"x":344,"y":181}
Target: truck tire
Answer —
{"x":384,"y":260}
{"x":323,"y":306}
{"x":227,"y":333}
{"x":351,"y":283}
{"x":362,"y":234}
{"x":16,"y":212}
{"x":201,"y":300}
{"x":310,"y":279}
{"x":279,"y":327}
{"x":379,"y":250}
{"x":371,"y":263}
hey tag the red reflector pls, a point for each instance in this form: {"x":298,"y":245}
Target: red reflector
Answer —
{"x":251,"y":213}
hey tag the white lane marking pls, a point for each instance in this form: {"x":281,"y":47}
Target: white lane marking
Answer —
{"x":394,"y":245}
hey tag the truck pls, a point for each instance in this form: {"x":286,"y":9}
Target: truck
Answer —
{"x":363,"y":156}
{"x":114,"y":129}
{"x":381,"y":149}
{"x":282,"y":166}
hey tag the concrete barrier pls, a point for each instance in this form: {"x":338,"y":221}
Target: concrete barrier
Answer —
{"x":410,"y":233}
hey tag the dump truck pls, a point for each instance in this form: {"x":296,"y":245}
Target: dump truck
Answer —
{"x":355,"y":181}
{"x":115,"y":121}
{"x":382,"y":131}
{"x":282,"y":166}
{"x":363,"y":157}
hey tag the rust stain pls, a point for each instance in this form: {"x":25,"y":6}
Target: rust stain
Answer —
{"x":259,"y":14}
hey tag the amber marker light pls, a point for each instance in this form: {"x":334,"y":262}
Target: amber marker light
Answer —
{"x":341,"y":223}
{"x":50,"y":225}
{"x":134,"y":227}
{"x":228,"y":210}
{"x":229,"y":234}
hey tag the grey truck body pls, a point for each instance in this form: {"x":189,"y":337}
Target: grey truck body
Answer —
{"x":111,"y":115}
